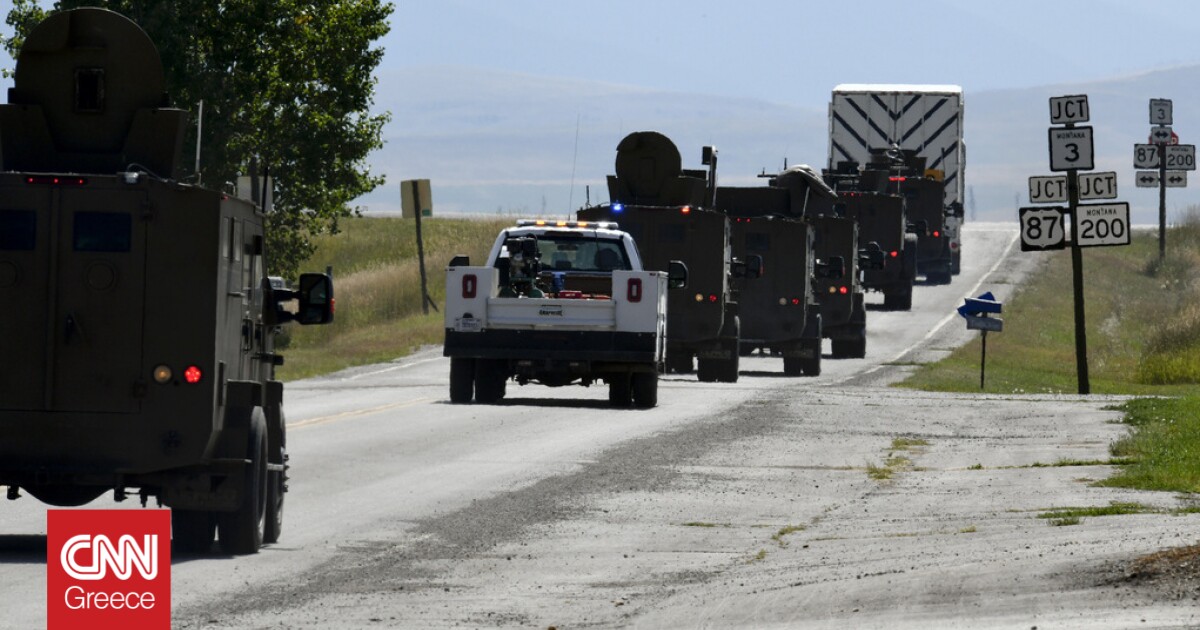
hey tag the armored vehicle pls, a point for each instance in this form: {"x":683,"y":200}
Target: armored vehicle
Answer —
{"x":780,"y":314}
{"x":843,"y":307}
{"x":141,"y":354}
{"x":558,"y":302}
{"x":882,"y":225}
{"x":903,"y":172}
{"x":667,"y":210}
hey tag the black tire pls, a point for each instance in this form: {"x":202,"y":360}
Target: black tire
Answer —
{"x":620,"y":390}
{"x":900,"y":301}
{"x":956,"y":263}
{"x":708,"y":370}
{"x":727,"y":369}
{"x":462,"y":380}
{"x":241,"y":531}
{"x":645,"y":389}
{"x":842,"y":348}
{"x":192,"y":531}
{"x":812,"y":367}
{"x":793,"y":366}
{"x":490,"y":380}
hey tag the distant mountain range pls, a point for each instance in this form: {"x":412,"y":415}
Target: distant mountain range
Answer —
{"x":520,"y":144}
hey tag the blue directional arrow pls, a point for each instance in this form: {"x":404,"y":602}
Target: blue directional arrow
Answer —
{"x":986,"y":303}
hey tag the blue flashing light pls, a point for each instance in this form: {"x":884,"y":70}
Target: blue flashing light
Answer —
{"x":618,"y":207}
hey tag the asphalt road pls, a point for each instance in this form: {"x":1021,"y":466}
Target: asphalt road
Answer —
{"x":729,"y":505}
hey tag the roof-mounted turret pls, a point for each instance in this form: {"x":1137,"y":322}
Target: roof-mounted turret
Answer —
{"x":88,"y":97}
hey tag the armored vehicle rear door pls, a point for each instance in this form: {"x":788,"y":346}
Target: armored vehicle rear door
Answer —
{"x":81,"y":285}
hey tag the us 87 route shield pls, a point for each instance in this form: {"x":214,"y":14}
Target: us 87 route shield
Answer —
{"x":1042,"y":229}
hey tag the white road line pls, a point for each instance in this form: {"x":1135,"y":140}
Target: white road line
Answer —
{"x":948,"y":318}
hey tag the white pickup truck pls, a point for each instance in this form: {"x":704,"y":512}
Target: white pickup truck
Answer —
{"x":559,"y":303}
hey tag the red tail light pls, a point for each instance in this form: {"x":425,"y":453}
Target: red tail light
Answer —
{"x":685,"y":209}
{"x":712,"y":297}
{"x":633,"y":292}
{"x":469,"y":285}
{"x":897,"y":179}
{"x":936,"y":234}
{"x":895,"y":253}
{"x":795,"y":301}
{"x":843,"y":290}
{"x":192,"y":374}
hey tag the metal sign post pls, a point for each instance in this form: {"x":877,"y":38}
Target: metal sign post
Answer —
{"x":975,"y":311}
{"x":1169,"y":154}
{"x":1071,"y":151}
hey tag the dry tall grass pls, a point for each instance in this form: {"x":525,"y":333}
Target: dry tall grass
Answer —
{"x":378,"y":287}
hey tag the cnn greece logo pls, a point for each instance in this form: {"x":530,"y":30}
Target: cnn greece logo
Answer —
{"x":109,"y":569}
{"x":122,"y":557}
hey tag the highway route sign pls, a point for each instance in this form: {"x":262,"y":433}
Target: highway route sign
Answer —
{"x":1098,"y":185}
{"x":1181,"y":157}
{"x":1146,"y":179}
{"x":1176,"y":179}
{"x":1069,"y":109}
{"x":1048,"y":189}
{"x":1101,"y":224}
{"x":1071,"y":149}
{"x":1145,"y":156}
{"x":1043,"y":228}
{"x":1160,"y":111}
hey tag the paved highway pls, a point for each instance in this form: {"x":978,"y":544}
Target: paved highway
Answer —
{"x":728,"y":505}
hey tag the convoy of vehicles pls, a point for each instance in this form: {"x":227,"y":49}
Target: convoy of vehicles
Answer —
{"x":558,"y":303}
{"x":145,"y":329}
{"x":148,"y":317}
{"x":924,"y":119}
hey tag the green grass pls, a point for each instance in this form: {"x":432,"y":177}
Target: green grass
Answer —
{"x":784,"y":531}
{"x":1164,"y":449}
{"x":378,"y":286}
{"x":1143,"y":326}
{"x":1113,"y":509}
{"x":1143,"y":332}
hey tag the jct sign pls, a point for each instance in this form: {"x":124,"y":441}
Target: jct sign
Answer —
{"x":108,"y":569}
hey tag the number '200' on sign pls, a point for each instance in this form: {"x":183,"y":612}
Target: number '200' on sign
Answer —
{"x":1098,"y":224}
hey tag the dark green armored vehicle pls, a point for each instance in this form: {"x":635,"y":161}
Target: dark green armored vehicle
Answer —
{"x":780,"y":313}
{"x":137,"y":350}
{"x":667,"y":211}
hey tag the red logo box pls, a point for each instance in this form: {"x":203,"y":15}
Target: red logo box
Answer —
{"x":108,"y":569}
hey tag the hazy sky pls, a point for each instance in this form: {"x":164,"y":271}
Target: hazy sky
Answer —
{"x":794,"y":52}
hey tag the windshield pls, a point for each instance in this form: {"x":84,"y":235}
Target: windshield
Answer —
{"x":573,"y":253}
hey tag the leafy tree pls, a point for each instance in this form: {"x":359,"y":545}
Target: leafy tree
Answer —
{"x":287,"y":89}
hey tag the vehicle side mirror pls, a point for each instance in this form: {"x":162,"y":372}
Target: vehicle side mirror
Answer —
{"x":872,"y":256}
{"x":460,"y":260}
{"x":316,"y":299}
{"x":832,"y":268}
{"x":920,"y":228}
{"x":677,"y":275}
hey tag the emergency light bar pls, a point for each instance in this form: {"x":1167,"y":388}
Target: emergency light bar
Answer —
{"x":599,"y":225}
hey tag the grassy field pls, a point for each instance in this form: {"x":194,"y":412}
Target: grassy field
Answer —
{"x":378,"y":286}
{"x":1143,"y":333}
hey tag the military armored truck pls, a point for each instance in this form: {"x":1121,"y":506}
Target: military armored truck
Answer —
{"x":559,"y":303}
{"x":882,"y":223}
{"x":780,"y":315}
{"x":843,"y":307}
{"x":667,"y":210}
{"x":140,"y":357}
{"x":922,"y":190}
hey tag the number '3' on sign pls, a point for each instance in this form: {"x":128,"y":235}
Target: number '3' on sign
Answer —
{"x":1071,"y":149}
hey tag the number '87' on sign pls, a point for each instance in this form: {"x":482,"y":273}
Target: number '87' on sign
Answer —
{"x":1042,"y":229}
